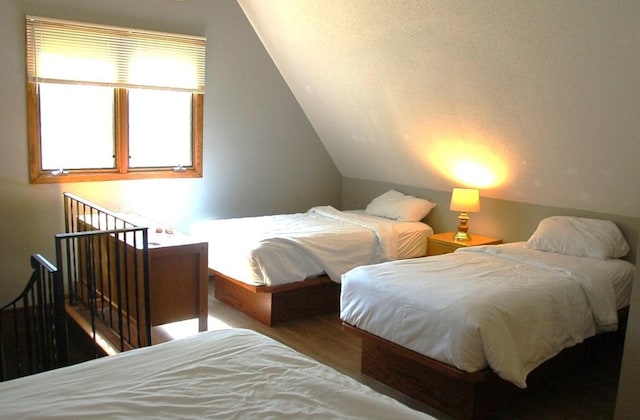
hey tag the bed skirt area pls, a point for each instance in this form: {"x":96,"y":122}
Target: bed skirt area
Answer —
{"x":461,"y":394}
{"x":272,"y":305}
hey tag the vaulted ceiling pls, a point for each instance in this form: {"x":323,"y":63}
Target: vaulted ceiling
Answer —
{"x":532,"y":101}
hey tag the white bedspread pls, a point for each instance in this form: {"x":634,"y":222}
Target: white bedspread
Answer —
{"x":281,"y":249}
{"x":225,"y":374}
{"x":502,"y":306}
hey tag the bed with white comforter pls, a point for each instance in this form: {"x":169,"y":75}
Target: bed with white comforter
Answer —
{"x":287,"y":248}
{"x":506,"y":307}
{"x":224,"y":374}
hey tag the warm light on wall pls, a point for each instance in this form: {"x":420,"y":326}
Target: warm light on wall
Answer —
{"x":467,"y":162}
{"x":475,"y":174}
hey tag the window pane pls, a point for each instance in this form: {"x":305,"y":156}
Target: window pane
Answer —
{"x":159,"y":128}
{"x":76,"y":127}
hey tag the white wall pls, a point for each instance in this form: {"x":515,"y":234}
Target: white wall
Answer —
{"x":540,"y":94}
{"x":261,"y":155}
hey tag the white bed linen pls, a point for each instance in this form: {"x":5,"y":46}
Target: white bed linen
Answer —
{"x":281,"y":249}
{"x":412,"y":236}
{"x":224,"y":374}
{"x":504,"y":306}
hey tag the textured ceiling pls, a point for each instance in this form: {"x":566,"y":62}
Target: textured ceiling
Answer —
{"x":533,"y":102}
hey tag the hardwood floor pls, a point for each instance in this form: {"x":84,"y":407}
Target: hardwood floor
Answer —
{"x":584,"y":392}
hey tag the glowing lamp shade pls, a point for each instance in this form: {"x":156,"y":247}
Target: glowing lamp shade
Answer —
{"x":465,"y":201}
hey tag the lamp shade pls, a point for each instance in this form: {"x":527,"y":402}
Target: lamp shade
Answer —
{"x":465,"y":200}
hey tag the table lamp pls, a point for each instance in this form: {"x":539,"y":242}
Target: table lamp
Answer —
{"x":464,"y":200}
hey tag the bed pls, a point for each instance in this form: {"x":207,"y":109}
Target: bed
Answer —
{"x":460,"y":330}
{"x":233,"y":373}
{"x":282,"y":267}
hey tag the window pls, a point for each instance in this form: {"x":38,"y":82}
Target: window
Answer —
{"x":112,"y":103}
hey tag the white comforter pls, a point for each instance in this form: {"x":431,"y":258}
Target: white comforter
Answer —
{"x":504,"y":306}
{"x":280,"y":249}
{"x":225,"y":374}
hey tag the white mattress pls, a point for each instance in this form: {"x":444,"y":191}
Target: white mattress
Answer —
{"x":222,"y":374}
{"x":503,"y":306}
{"x":412,"y":236}
{"x":281,"y":249}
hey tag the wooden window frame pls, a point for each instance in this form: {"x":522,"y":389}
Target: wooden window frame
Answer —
{"x":122,"y":171}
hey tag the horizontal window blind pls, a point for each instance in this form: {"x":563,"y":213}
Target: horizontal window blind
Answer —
{"x":60,"y":51}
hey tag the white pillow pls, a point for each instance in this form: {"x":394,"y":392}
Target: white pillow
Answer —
{"x":397,"y":206}
{"x":579,"y":236}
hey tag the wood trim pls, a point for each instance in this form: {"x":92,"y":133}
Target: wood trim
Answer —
{"x":272,"y":305}
{"x":121,"y":170}
{"x":121,"y":144}
{"x":47,"y":178}
{"x":33,"y":126}
{"x":198,"y":130}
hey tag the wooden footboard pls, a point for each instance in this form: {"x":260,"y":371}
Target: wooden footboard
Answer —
{"x":276,"y":304}
{"x":461,"y":394}
{"x":455,"y":392}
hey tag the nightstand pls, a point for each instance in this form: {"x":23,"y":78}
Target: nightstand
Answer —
{"x":178,"y":272}
{"x":444,"y":243}
{"x":178,"y":275}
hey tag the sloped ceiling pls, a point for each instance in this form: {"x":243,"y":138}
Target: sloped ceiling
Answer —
{"x":532,"y":101}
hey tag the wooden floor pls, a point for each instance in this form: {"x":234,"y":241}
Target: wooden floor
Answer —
{"x":582,"y":393}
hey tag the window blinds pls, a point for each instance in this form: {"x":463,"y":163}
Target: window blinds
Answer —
{"x":61,"y":51}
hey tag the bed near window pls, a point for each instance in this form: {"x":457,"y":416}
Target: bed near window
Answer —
{"x":282,"y":267}
{"x":232,"y":373}
{"x":454,"y":329}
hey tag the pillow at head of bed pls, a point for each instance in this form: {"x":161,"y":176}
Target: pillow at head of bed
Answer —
{"x":580,"y":237}
{"x":397,"y":206}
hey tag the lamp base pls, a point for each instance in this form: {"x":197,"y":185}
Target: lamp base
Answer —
{"x":463,"y":228}
{"x":462,"y":237}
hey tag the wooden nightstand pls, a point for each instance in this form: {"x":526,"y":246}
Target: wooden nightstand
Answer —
{"x":178,"y":275}
{"x":443,"y":243}
{"x":178,"y":272}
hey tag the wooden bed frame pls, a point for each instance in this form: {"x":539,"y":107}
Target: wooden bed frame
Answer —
{"x":276,"y":304}
{"x":453,"y":391}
